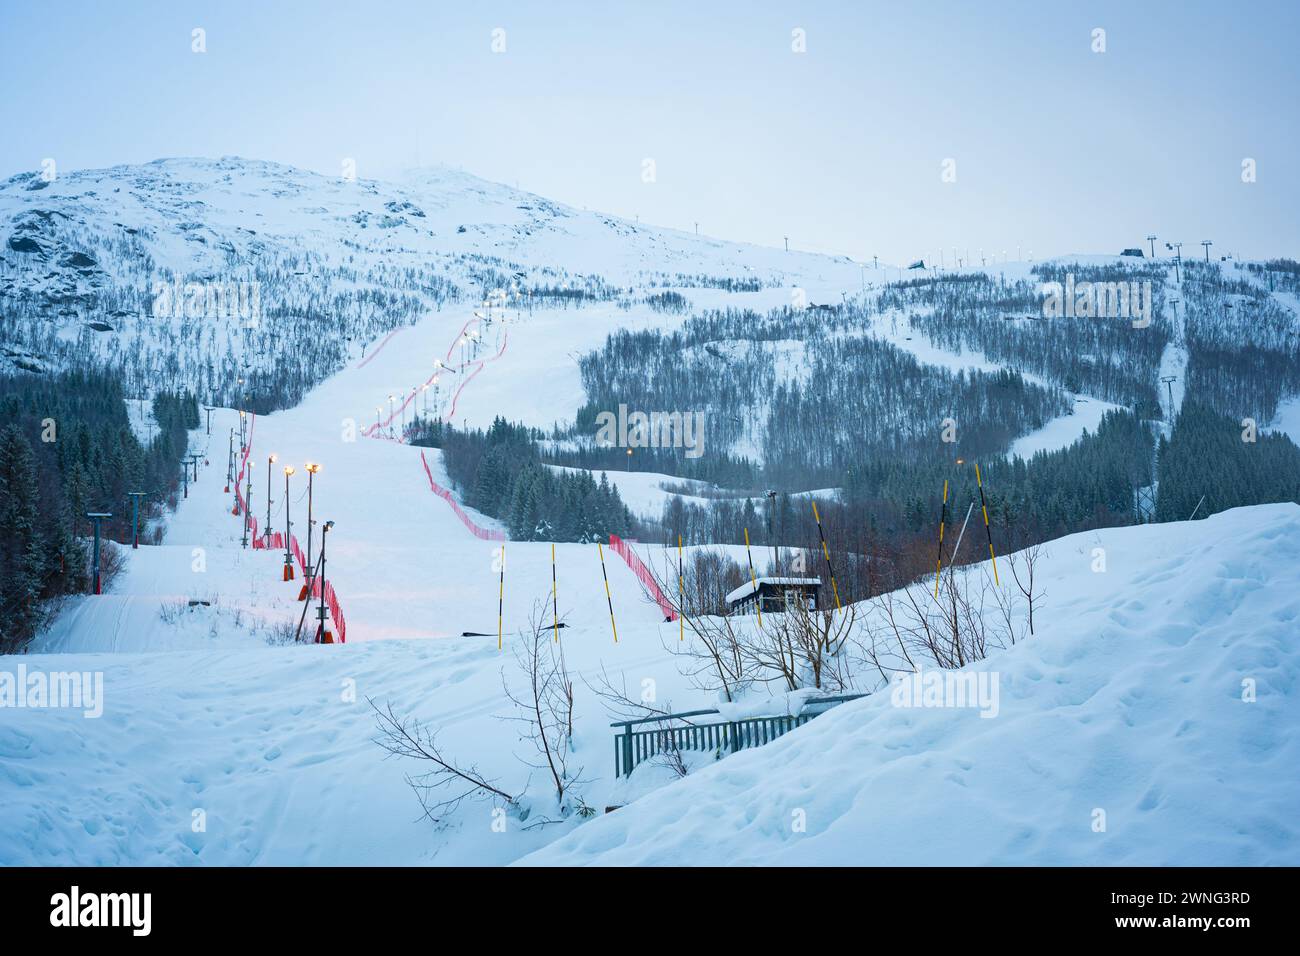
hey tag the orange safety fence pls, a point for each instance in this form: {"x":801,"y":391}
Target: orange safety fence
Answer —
{"x":624,"y":551}
{"x":486,"y":534}
{"x":275,"y":542}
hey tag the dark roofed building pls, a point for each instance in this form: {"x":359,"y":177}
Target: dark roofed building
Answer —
{"x":774,"y":595}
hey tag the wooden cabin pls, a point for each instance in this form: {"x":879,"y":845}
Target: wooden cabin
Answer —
{"x":774,"y":595}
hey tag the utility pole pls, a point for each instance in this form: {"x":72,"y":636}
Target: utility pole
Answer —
{"x":248,"y":500}
{"x":321,"y":633}
{"x":288,"y":535}
{"x":270,"y":460}
{"x":135,"y":497}
{"x":97,"y":517}
{"x":771,"y":536}
{"x":1152,"y":240}
{"x":309,"y":571}
{"x":1207,"y":243}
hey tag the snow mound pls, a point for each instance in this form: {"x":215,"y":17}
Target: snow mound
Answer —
{"x":1129,"y":703}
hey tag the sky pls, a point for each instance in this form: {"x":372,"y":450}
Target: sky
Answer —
{"x":880,"y":129}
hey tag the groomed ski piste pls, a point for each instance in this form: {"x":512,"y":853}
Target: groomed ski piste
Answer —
{"x":1129,"y":700}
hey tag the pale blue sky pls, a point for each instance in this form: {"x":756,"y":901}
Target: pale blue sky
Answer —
{"x":1057,"y":148}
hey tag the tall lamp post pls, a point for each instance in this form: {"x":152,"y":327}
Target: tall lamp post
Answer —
{"x":309,"y":571}
{"x":323,"y":636}
{"x":248,"y":501}
{"x":270,"y":460}
{"x":135,"y":497}
{"x":97,"y":517}
{"x":288,"y":553}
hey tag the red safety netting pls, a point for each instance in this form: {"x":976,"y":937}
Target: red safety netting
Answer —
{"x":624,"y":551}
{"x":487,"y":534}
{"x":275,"y":542}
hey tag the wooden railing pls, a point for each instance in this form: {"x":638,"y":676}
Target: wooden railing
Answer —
{"x":677,"y":732}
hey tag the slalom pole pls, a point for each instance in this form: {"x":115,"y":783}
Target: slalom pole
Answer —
{"x":501,"y":593}
{"x":608,"y":600}
{"x":681,"y":588}
{"x":555,"y":597}
{"x":758,"y":598}
{"x":987,"y":532}
{"x":943,"y":514}
{"x":827,"y":555}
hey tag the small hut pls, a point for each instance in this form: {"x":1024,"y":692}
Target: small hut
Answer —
{"x":774,"y":595}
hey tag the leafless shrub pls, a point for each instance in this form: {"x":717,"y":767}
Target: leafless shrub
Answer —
{"x":544,"y":702}
{"x":444,"y":785}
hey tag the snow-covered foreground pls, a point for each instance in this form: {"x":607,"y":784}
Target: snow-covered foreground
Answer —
{"x":1130,"y":703}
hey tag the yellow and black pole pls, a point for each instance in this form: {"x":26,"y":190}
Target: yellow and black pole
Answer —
{"x":758,"y":598}
{"x":827,"y":555}
{"x":608,"y":600}
{"x":501,"y":593}
{"x":943,"y":516}
{"x":984,"y":507}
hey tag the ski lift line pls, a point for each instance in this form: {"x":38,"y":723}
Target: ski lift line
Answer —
{"x":608,"y":599}
{"x":754,"y":580}
{"x":943,"y":514}
{"x":826,"y":553}
{"x":985,"y":509}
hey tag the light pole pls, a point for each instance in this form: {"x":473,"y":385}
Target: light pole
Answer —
{"x":135,"y":497}
{"x":97,"y":517}
{"x":248,"y":501}
{"x":230,"y":461}
{"x":390,"y":414}
{"x":309,"y":571}
{"x":771,"y":510}
{"x":288,"y":553}
{"x":322,"y":635}
{"x":270,"y":460}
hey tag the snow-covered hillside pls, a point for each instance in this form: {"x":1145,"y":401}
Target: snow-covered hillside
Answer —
{"x":1160,"y":694}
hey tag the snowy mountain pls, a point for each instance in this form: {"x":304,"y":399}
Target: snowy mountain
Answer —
{"x":336,"y":312}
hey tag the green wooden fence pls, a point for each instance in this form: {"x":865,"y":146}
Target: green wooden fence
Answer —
{"x":677,"y":732}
